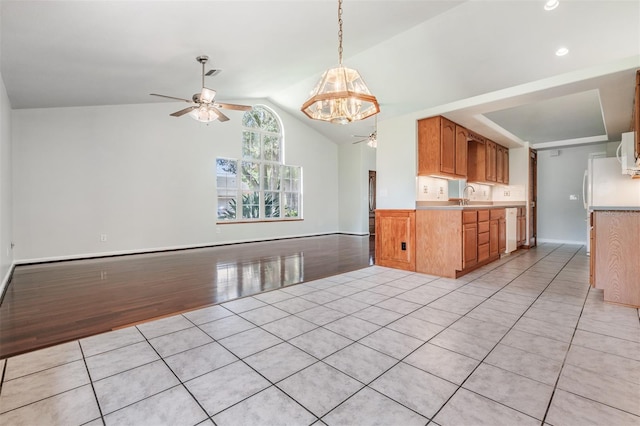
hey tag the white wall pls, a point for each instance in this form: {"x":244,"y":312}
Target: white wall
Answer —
{"x":6,"y":254}
{"x":396,"y":160}
{"x":145,"y":179}
{"x":355,"y":161}
{"x":559,"y":218}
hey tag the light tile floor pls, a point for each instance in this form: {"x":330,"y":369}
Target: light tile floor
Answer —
{"x":521,"y":341}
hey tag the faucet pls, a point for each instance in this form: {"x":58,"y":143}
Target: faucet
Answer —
{"x":465,"y":200}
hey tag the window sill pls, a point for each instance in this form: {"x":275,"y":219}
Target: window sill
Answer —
{"x":233,"y":222}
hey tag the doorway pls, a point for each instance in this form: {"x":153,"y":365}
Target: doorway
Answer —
{"x":372,"y":202}
{"x":533,"y":197}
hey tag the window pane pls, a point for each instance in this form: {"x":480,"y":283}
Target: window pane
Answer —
{"x":271,"y":177}
{"x":272,"y":148}
{"x":291,"y":204}
{"x":226,"y":204}
{"x":251,"y":205}
{"x":226,"y":173}
{"x":250,"y":176}
{"x":271,"y":204}
{"x":250,"y":145}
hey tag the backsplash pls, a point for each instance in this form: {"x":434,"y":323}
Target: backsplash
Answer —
{"x":508,"y":193}
{"x":436,"y":189}
{"x":432,"y":189}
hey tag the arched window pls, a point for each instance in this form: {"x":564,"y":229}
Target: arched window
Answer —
{"x":266,"y":188}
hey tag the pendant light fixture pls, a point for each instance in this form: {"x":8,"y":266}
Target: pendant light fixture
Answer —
{"x":341,"y":96}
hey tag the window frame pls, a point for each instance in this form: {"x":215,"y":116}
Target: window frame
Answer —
{"x":244,"y":213}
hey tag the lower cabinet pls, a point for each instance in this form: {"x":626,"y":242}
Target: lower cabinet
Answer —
{"x":615,"y":255}
{"x":396,"y":239}
{"x":450,"y":243}
{"x":469,"y":239}
{"x":521,"y":230}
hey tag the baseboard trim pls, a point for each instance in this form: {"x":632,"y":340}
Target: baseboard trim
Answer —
{"x":543,"y":240}
{"x":54,"y":259}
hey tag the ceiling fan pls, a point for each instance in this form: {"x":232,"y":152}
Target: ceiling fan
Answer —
{"x":371,"y":139}
{"x":205,"y":108}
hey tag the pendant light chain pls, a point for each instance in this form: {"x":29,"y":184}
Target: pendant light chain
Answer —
{"x":340,"y":30}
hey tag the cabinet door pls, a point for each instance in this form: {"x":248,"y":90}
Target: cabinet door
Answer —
{"x":499,"y":164}
{"x":447,"y":146}
{"x":491,"y":150}
{"x":469,"y":245}
{"x":522,"y":230}
{"x":502,"y":235}
{"x":461,"y":151}
{"x":505,"y":166}
{"x":494,"y":235}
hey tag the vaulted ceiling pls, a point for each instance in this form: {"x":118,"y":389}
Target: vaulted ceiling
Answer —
{"x":490,"y":65}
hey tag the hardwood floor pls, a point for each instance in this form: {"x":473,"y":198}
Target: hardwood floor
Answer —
{"x":50,"y":303}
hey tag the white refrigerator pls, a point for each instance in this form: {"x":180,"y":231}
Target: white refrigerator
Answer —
{"x":605,"y":185}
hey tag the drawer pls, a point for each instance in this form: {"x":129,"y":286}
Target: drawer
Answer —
{"x":483,"y":215}
{"x":498,"y":214}
{"x":483,"y":238}
{"x":483,"y":227}
{"x":469,"y":216}
{"x":483,"y":252}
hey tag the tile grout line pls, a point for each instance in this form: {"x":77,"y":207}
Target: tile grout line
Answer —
{"x":497,"y":343}
{"x":423,"y":344}
{"x":93,"y":389}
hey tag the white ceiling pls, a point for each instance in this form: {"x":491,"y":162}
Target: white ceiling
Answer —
{"x":487,"y":64}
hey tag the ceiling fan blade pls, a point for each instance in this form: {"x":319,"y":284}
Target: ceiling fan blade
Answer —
{"x":360,"y":141}
{"x":360,"y":136}
{"x":183,"y":111}
{"x":171,"y":97}
{"x":233,"y":106}
{"x":221,"y":116}
{"x":212,"y":73}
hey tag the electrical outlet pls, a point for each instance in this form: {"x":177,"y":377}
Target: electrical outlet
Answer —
{"x":103,"y":275}
{"x":441,"y":191}
{"x":425,"y":189}
{"x":103,"y":238}
{"x":217,"y":229}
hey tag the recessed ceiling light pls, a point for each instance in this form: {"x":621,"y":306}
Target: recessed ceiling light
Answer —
{"x":551,"y":4}
{"x":562,"y":51}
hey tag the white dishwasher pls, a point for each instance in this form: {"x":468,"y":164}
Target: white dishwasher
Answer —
{"x":511,"y":222}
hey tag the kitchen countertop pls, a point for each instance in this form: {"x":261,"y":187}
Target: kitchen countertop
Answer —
{"x":426,"y":205}
{"x":617,"y":208}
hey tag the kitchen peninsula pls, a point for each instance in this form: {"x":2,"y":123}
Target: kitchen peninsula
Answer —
{"x":615,"y":253}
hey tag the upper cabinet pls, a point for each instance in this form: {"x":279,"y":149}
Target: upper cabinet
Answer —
{"x":442,"y":148}
{"x":488,"y":161}
{"x":448,"y":150}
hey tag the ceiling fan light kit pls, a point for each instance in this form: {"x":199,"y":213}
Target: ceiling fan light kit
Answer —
{"x":341,"y":96}
{"x":206,"y":108}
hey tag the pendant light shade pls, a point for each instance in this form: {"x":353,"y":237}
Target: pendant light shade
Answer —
{"x":341,"y":96}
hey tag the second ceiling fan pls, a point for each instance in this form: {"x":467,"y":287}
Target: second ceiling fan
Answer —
{"x":205,"y":107}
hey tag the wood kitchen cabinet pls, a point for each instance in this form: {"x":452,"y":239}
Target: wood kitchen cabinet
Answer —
{"x":615,"y":255}
{"x":451,"y":243}
{"x":502,"y":164}
{"x":488,"y":162}
{"x":497,"y":232}
{"x":521,"y":228}
{"x":483,"y":235}
{"x":469,"y":239}
{"x":442,"y":148}
{"x":395,"y":239}
{"x":491,"y":169}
